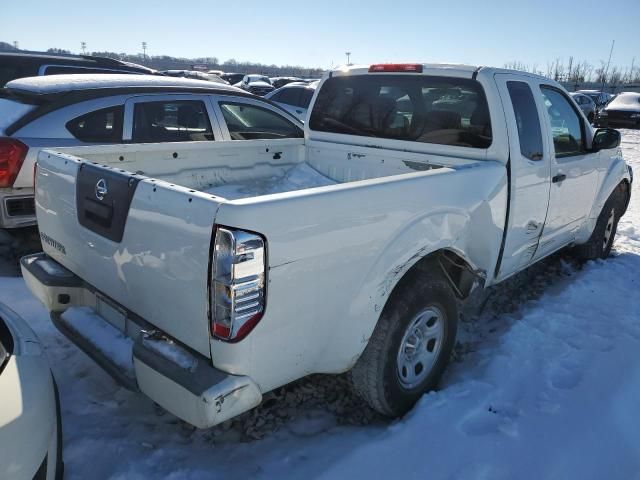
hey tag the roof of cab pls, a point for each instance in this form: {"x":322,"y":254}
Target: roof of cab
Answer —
{"x":427,"y":68}
{"x":57,"y":84}
{"x":441,"y":69}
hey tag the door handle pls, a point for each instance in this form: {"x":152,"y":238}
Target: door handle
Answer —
{"x":559,"y":178}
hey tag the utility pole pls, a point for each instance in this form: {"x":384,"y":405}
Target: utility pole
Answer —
{"x":348,"y":54}
{"x":604,"y":76}
{"x":83,"y":45}
{"x":144,"y":50}
{"x":16,"y":45}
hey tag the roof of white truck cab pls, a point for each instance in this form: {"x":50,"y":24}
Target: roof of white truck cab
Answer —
{"x":455,"y":70}
{"x":436,"y":69}
{"x":56,"y":84}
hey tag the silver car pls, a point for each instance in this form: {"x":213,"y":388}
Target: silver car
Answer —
{"x":586,"y":104}
{"x":75,"y":110}
{"x":294,"y":98}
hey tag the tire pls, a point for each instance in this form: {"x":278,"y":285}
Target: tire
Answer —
{"x":59,"y":474}
{"x":601,"y":240}
{"x":422,"y":310}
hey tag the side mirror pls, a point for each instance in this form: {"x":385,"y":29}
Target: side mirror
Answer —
{"x":605,"y":138}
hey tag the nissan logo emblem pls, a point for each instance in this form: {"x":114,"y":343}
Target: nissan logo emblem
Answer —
{"x":101,"y":189}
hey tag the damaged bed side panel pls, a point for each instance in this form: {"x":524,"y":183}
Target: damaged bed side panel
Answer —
{"x":335,"y":256}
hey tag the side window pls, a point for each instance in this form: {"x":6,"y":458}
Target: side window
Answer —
{"x":290,"y":96}
{"x":526,"y":113}
{"x":101,"y":126}
{"x":171,"y":121}
{"x":250,"y":122}
{"x":305,"y":98}
{"x":63,"y":70}
{"x":566,"y":126}
{"x":277,"y":97}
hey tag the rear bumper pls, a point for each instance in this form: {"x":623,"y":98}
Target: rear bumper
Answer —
{"x":17,"y":208}
{"x":135,"y":353}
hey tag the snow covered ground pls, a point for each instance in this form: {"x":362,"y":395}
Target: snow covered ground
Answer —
{"x":546,"y":384}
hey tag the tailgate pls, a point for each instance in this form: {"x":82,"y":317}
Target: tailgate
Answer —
{"x":142,"y":242}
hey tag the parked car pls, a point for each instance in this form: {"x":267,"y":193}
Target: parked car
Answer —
{"x":600,"y":98}
{"x":294,"y":98}
{"x":194,"y":74}
{"x":279,"y":82}
{"x":30,"y":426}
{"x":21,"y":65}
{"x":58,"y":111}
{"x":256,"y":84}
{"x":586,"y":104}
{"x":622,"y":112}
{"x":232,"y":78}
{"x":223,"y":273}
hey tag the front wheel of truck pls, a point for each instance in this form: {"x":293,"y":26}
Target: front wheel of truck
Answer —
{"x":411,"y":344}
{"x":601,"y":240}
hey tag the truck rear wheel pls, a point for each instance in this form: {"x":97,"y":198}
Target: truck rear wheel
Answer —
{"x":601,"y":240}
{"x":411,"y":344}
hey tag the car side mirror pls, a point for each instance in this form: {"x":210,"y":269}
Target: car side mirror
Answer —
{"x":605,"y":138}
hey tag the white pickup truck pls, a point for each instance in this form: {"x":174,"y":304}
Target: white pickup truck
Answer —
{"x":224,"y":270}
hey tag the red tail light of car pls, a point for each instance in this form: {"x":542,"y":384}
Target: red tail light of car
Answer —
{"x":12,"y":155}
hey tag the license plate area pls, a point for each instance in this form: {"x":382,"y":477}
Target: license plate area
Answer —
{"x":103,"y":198}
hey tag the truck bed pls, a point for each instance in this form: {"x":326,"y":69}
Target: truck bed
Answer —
{"x":298,"y":177}
{"x":252,"y":169}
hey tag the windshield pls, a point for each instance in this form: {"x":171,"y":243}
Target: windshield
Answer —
{"x":442,"y":110}
{"x":626,"y":100}
{"x":258,"y":78}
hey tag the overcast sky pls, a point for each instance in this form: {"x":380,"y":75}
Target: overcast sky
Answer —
{"x":318,"y":33}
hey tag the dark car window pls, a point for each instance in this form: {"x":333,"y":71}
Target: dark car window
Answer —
{"x":250,"y":122}
{"x":232,"y":78}
{"x":565,"y":123}
{"x":12,"y":70}
{"x":442,"y":110}
{"x":171,"y":121}
{"x":64,"y":69}
{"x":101,"y":126}
{"x":290,"y":96}
{"x":526,"y":113}
{"x":305,"y":97}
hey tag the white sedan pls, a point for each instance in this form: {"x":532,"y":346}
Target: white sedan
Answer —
{"x":294,"y":98}
{"x":30,"y":429}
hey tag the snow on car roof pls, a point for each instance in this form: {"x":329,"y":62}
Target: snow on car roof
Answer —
{"x":51,"y":84}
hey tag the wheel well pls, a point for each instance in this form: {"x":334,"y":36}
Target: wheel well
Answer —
{"x":460,"y":274}
{"x":626,"y":188}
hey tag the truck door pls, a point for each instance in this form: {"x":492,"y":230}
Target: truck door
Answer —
{"x":529,"y":163}
{"x":574,"y":171}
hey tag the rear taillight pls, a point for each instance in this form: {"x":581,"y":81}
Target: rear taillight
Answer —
{"x":396,"y":67}
{"x":12,"y":154}
{"x":237,"y":283}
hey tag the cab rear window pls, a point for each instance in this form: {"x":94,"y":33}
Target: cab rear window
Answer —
{"x":441,"y":110}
